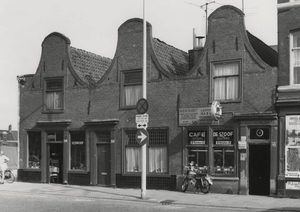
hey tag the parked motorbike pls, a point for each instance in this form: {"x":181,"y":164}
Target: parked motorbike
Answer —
{"x":194,"y":177}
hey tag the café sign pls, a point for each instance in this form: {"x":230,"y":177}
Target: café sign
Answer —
{"x":197,"y":137}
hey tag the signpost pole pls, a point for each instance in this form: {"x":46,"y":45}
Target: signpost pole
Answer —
{"x":144,"y":147}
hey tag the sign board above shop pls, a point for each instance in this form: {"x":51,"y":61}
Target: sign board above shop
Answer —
{"x":196,"y":117}
{"x":197,"y":137}
{"x":223,"y":137}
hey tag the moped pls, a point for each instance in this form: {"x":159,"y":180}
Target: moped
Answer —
{"x":193,"y":177}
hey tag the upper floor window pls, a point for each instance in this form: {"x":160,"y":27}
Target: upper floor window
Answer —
{"x":132,"y":89}
{"x":295,"y":58}
{"x":225,"y":81}
{"x":54,"y":94}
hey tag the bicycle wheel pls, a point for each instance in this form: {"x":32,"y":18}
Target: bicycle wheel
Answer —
{"x":9,"y":177}
{"x":185,"y":184}
{"x":205,"y":187}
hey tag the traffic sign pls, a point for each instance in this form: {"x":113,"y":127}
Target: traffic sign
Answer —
{"x":142,"y":106}
{"x":142,"y":121}
{"x":142,"y":136}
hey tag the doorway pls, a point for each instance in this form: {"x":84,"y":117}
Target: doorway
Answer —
{"x":259,"y":169}
{"x":104,"y":164}
{"x":55,"y":158}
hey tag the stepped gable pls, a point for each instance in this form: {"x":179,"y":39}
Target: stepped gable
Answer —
{"x":173,"y":60}
{"x":265,"y":52}
{"x":90,"y":67}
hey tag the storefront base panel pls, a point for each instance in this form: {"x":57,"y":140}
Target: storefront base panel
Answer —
{"x":31,"y":176}
{"x":293,"y":194}
{"x":161,"y":183}
{"x":79,"y":178}
{"x":225,"y":187}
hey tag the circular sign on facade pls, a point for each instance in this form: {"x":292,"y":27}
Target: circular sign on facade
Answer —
{"x":216,"y":110}
{"x":142,"y":106}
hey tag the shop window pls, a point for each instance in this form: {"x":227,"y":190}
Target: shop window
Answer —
{"x":54,"y":94}
{"x":224,"y":152}
{"x":157,"y":152}
{"x":34,"y":149}
{"x":295,"y":58}
{"x":225,"y":81}
{"x":132,"y":89}
{"x":292,"y":147}
{"x":78,"y":148}
{"x":198,"y":149}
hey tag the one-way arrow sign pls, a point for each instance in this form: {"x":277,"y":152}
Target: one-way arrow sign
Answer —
{"x":142,"y":136}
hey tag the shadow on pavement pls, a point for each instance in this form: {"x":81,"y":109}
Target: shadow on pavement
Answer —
{"x":290,"y":209}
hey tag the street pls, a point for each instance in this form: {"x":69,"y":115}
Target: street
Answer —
{"x":20,"y":202}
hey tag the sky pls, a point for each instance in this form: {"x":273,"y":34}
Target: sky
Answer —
{"x":92,"y":25}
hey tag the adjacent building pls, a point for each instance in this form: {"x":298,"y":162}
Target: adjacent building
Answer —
{"x":77,"y":112}
{"x":288,"y":97}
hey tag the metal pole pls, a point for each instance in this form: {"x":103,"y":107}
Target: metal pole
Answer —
{"x":144,"y":147}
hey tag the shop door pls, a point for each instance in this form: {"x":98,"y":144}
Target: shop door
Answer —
{"x":103,"y":161}
{"x":259,"y":169}
{"x":55,"y":158}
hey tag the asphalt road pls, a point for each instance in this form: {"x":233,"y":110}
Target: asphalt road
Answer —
{"x":19,"y":202}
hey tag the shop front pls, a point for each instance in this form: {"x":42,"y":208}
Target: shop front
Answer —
{"x":238,"y":151}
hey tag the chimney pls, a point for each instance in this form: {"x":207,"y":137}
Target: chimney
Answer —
{"x":9,"y":127}
{"x":195,"y":53}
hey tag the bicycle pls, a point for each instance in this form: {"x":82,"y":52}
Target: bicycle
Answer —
{"x":9,"y":177}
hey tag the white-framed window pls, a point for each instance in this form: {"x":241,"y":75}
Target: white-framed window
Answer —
{"x":132,"y":88}
{"x":226,"y":81}
{"x":54,"y":94}
{"x":157,"y":161}
{"x":295,"y":58}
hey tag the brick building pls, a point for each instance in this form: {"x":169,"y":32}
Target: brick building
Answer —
{"x":288,"y":97}
{"x":77,"y":112}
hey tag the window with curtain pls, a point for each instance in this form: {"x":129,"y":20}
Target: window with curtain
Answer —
{"x":78,"y":150}
{"x":295,"y":58}
{"x":34,"y":149}
{"x":132,"y":88}
{"x":157,"y":152}
{"x":54,"y":94}
{"x":225,"y":79}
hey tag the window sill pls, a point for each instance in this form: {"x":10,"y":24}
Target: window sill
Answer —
{"x":289,"y":88}
{"x":52,"y":111}
{"x":148,"y":174}
{"x":229,"y":101}
{"x":78,"y":171}
{"x":32,"y":169}
{"x":224,"y":178}
{"x":128,"y":107}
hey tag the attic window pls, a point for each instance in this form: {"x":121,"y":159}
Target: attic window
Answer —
{"x":54,"y":94}
{"x":131,"y":88}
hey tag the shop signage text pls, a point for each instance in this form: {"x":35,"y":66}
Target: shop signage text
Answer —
{"x":197,"y":137}
{"x":196,"y":116}
{"x":223,"y":137}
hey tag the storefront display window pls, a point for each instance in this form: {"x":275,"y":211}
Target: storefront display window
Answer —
{"x":292,"y":147}
{"x":157,"y":152}
{"x":34,"y":149}
{"x":78,"y":150}
{"x":198,"y":149}
{"x":224,"y":152}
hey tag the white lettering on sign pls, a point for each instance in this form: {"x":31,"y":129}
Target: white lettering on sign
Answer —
{"x":196,"y":116}
{"x":197,"y":142}
{"x":77,"y":142}
{"x":197,"y":134}
{"x":223,"y":142}
{"x":222,"y":134}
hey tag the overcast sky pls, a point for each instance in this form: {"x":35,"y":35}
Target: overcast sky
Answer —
{"x":92,"y":25}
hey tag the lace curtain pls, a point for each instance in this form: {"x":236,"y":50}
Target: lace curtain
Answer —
{"x":226,"y":82}
{"x":132,"y":94}
{"x":54,"y":100}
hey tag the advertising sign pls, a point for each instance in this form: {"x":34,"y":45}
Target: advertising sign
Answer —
{"x":223,"y":137}
{"x":196,"y":117}
{"x":292,"y":147}
{"x":197,"y":137}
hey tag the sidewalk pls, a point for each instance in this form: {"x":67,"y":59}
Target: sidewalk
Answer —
{"x":156,"y":196}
